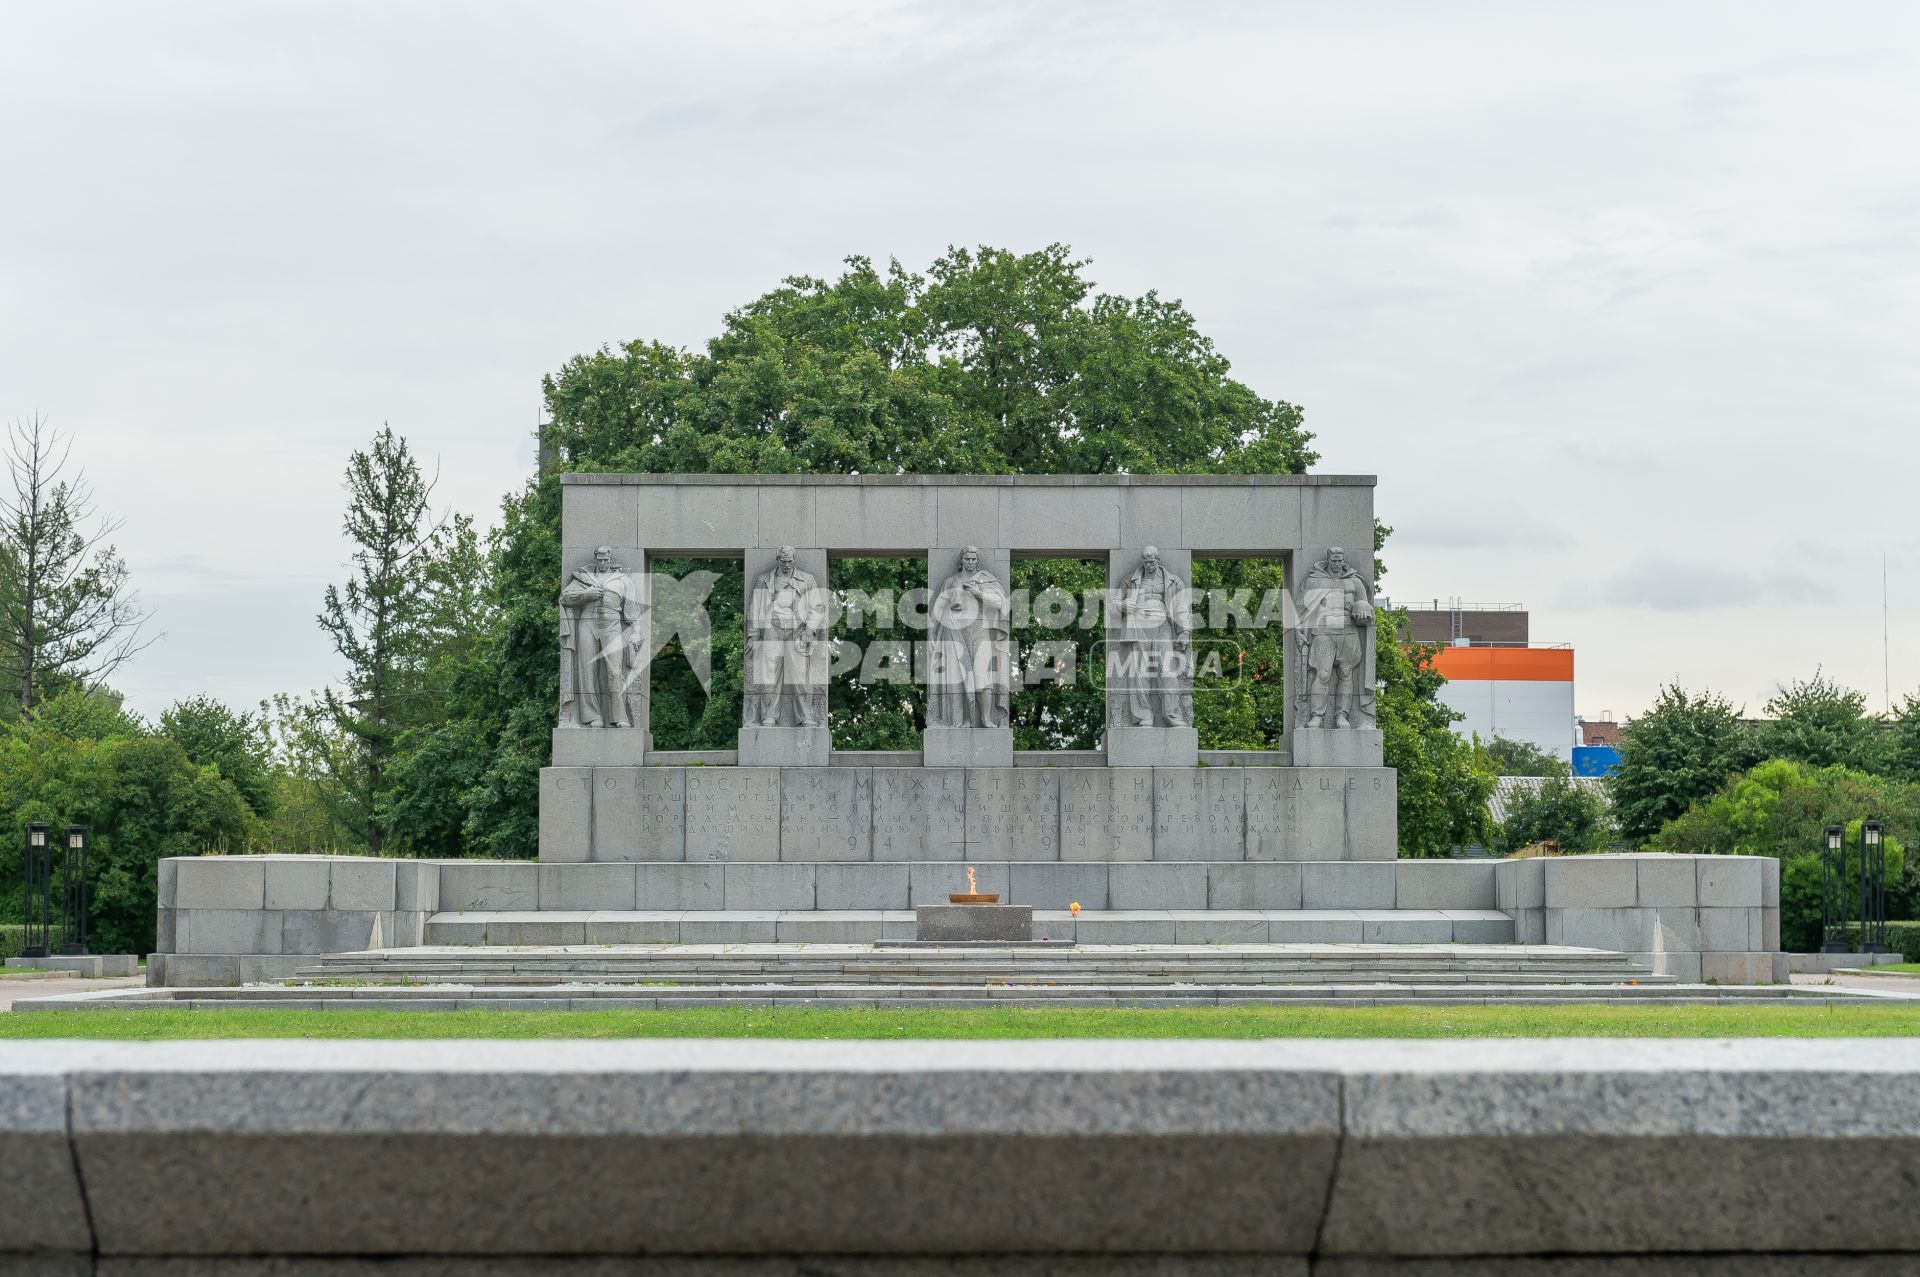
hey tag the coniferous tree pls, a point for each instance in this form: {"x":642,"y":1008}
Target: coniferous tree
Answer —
{"x":383,"y":620}
{"x":68,"y":615}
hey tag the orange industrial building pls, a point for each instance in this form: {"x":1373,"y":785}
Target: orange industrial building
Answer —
{"x":1502,"y":683}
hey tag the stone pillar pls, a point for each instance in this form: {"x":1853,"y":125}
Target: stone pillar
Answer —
{"x":801,"y":692}
{"x":578,"y":746}
{"x":1139,"y":677}
{"x":952,"y":745}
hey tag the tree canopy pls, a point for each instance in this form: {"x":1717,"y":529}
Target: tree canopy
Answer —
{"x":1680,"y":751}
{"x":988,"y":362}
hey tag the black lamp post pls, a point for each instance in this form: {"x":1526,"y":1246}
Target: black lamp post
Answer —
{"x":73,"y":877}
{"x":1833,"y":890}
{"x":1873,"y":888}
{"x":37,"y":900}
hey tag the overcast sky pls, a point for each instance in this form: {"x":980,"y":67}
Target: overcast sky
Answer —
{"x":1621,"y":302}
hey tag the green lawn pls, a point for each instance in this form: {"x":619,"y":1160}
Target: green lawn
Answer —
{"x":1898,"y":968}
{"x":1871,"y":1020}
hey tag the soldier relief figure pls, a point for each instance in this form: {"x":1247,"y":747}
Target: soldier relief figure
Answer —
{"x":1336,"y":638}
{"x":600,"y":637}
{"x":786,"y":632}
{"x":1153,"y":644}
{"x":970,"y":648}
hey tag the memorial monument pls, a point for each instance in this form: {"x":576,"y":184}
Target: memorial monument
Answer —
{"x":1143,"y":841}
{"x":1149,"y":794}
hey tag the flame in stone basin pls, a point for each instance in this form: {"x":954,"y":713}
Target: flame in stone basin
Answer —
{"x":973,"y":895}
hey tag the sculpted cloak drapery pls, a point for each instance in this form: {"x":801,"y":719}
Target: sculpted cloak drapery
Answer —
{"x":969,"y":651}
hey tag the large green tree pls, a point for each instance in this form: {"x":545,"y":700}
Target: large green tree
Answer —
{"x":988,"y":362}
{"x":1522,"y":758}
{"x":1819,"y":722}
{"x":83,"y":760}
{"x":235,"y":744}
{"x":404,"y":622}
{"x":1780,"y":808}
{"x":1678,"y":752}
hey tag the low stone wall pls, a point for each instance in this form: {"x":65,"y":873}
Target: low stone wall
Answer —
{"x":1695,"y":917}
{"x":1003,"y":1158}
{"x":242,"y":919}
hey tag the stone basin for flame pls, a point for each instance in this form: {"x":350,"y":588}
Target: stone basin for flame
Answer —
{"x":974,"y":922}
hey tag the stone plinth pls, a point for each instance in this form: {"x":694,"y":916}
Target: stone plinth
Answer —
{"x":1337,"y":747}
{"x":601,"y":746}
{"x":1153,"y":747}
{"x":784,"y":746}
{"x":967,"y":746}
{"x":973,"y":922}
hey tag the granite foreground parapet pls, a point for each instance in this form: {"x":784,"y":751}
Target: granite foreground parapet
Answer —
{"x":1220,"y":1157}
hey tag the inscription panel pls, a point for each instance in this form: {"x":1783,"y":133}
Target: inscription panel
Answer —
{"x":1323,"y":812}
{"x":1273,"y":814}
{"x":566,"y":813}
{"x":733,"y":813}
{"x":1013,"y":813}
{"x":1200,"y":813}
{"x":1373,"y":813}
{"x":1106,"y":813}
{"x":826,"y":813}
{"x":639,"y":813}
{"x":919,"y":813}
{"x":1297,"y":813}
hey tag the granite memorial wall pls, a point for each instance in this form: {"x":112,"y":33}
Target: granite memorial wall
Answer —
{"x":1149,"y":793}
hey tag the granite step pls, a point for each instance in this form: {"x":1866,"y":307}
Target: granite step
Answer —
{"x":1089,"y":966}
{"x":550,"y":927}
{"x":441,"y":997}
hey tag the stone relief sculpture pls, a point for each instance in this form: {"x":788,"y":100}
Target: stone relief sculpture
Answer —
{"x":969,"y":648}
{"x":786,"y":627}
{"x":1151,"y":648}
{"x":1336,"y":642}
{"x":600,"y":640}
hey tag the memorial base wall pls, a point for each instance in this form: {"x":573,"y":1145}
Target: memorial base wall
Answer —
{"x":860,"y":813}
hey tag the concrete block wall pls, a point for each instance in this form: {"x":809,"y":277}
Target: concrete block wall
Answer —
{"x":242,"y":919}
{"x":1700,"y":918}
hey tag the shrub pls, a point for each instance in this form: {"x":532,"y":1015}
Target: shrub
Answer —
{"x":1559,"y":811}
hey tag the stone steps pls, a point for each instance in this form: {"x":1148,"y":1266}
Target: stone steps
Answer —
{"x":575,"y":997}
{"x":553,"y":927}
{"x":1253,"y":967}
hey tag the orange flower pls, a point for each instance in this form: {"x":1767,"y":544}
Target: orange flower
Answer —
{"x":1074,"y":908}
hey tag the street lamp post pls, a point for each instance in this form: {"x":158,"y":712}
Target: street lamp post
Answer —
{"x":74,"y":901}
{"x":1873,"y":888}
{"x":37,"y":898}
{"x":1833,"y":894}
